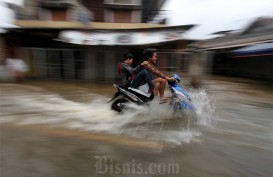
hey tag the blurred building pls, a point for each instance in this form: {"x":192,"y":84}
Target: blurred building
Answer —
{"x":7,"y":20}
{"x":223,"y":56}
{"x":51,"y":10}
{"x":85,"y":39}
{"x":124,"y":11}
{"x":151,"y":9}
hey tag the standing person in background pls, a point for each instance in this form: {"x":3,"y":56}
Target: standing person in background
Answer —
{"x":17,"y":68}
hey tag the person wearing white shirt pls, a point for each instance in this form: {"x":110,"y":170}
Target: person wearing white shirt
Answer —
{"x":17,"y":68}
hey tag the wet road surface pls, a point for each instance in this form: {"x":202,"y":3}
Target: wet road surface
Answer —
{"x":66,"y":129}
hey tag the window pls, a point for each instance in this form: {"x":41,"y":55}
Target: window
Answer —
{"x":58,"y":14}
{"x":122,"y":16}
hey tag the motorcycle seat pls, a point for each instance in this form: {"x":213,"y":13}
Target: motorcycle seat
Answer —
{"x":143,"y":90}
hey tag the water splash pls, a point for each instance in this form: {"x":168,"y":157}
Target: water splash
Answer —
{"x":31,"y":105}
{"x":205,"y":107}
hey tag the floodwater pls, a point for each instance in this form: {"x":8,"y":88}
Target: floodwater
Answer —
{"x":67,"y":129}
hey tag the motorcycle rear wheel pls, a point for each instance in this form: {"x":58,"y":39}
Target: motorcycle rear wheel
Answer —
{"x":119,"y":104}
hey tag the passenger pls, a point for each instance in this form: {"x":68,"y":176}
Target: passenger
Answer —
{"x":160,"y":82}
{"x":133,"y":77}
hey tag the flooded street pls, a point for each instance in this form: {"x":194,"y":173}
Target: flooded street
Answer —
{"x":67,"y":129}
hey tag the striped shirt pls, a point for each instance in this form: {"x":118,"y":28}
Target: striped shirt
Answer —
{"x":151,"y":68}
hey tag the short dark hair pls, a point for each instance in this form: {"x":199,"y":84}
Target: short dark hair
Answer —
{"x":127,"y":55}
{"x":148,"y":53}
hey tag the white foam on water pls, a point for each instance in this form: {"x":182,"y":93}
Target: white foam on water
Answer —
{"x":205,"y":107}
{"x":155,"y":122}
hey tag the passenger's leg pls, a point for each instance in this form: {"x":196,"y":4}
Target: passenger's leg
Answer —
{"x":148,"y":79}
{"x":142,"y":76}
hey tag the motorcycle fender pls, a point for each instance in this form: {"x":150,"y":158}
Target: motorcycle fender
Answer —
{"x":114,"y":96}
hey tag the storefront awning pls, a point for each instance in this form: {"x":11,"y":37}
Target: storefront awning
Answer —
{"x":262,"y":49}
{"x":122,"y":37}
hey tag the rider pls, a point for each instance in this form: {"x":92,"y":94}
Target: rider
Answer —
{"x":160,"y":82}
{"x":134,"y":76}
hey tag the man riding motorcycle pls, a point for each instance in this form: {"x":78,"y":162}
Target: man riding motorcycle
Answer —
{"x":160,"y":82}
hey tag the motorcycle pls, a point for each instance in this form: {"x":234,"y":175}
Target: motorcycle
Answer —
{"x":179,"y":99}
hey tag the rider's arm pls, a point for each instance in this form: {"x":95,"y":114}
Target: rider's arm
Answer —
{"x":154,"y":71}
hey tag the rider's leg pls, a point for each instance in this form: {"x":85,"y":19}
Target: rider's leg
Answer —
{"x":142,"y":76}
{"x":156,"y":90}
{"x":162,"y":84}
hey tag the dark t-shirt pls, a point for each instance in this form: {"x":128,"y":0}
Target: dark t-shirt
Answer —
{"x":126,"y":72}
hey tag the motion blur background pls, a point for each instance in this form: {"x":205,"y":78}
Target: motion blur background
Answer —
{"x":58,"y":61}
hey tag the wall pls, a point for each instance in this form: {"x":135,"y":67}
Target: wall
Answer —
{"x":30,"y":10}
{"x":122,"y":16}
{"x":136,"y":16}
{"x":96,"y":7}
{"x":257,"y":67}
{"x":3,"y":48}
{"x":101,"y":63}
{"x":132,"y":16}
{"x":54,"y":63}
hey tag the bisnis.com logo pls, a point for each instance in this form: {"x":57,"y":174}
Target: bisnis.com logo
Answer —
{"x":104,"y":165}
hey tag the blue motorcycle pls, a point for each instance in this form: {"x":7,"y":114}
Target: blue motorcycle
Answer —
{"x":179,"y":100}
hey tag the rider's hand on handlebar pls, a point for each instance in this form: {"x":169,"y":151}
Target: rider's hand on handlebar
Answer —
{"x":170,"y":79}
